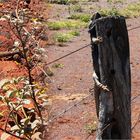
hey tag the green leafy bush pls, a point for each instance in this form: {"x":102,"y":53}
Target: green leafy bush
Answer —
{"x":68,"y":24}
{"x":60,"y":1}
{"x":82,"y":17}
{"x":65,"y":37}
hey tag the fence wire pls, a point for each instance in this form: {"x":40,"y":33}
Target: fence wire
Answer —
{"x":66,"y":55}
{"x":91,"y":93}
{"x":69,"y":108}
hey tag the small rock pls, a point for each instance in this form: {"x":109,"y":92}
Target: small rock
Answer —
{"x":72,"y":98}
{"x":59,"y":88}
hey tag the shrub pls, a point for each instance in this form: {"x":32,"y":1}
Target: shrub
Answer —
{"x":82,"y":17}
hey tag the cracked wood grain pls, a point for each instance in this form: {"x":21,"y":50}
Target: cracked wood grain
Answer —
{"x":111,"y":61}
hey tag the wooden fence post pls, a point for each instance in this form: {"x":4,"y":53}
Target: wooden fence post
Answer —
{"x":111,"y":61}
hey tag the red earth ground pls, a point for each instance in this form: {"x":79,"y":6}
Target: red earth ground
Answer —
{"x":72,"y":82}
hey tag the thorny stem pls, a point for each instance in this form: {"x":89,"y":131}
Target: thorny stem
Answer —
{"x":29,"y":75}
{"x":23,"y":42}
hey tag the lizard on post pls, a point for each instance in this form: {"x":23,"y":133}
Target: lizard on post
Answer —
{"x":100,"y":100}
{"x":95,"y":40}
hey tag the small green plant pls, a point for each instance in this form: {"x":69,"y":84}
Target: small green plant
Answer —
{"x":115,"y":1}
{"x":77,"y":8}
{"x":58,"y":65}
{"x":75,"y":33}
{"x":93,"y":0}
{"x":68,"y":24}
{"x":132,"y":10}
{"x":110,"y":12}
{"x":59,"y":1}
{"x":64,"y":1}
{"x":83,"y":17}
{"x":91,"y":127}
{"x":73,"y":1}
{"x":65,"y":37}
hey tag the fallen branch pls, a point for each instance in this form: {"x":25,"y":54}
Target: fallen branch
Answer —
{"x":7,"y":54}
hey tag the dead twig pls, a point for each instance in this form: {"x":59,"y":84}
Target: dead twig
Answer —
{"x":7,"y":54}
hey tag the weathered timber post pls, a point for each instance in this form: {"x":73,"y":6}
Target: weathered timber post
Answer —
{"x":111,"y":61}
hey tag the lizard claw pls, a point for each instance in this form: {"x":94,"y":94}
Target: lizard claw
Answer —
{"x":97,"y":40}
